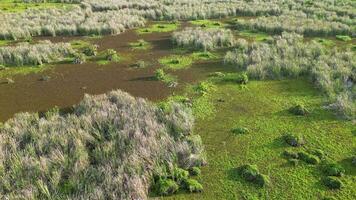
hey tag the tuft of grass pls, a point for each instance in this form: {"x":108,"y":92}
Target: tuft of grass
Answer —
{"x":299,"y":109}
{"x":332,"y":183}
{"x":169,"y":79}
{"x":14,"y":7}
{"x":294,"y":140}
{"x":140,"y":45}
{"x":159,"y":28}
{"x":240,"y":130}
{"x":176,"y":62}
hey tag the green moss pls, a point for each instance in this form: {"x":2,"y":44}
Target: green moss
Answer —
{"x":176,"y":62}
{"x":140,"y":45}
{"x":159,"y":27}
{"x":207,"y":23}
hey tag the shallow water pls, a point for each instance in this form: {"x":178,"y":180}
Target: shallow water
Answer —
{"x":69,"y":82}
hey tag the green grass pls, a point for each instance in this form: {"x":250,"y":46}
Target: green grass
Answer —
{"x":257,"y":36}
{"x":166,"y":78}
{"x":159,"y":28}
{"x":5,"y":42}
{"x":325,"y":42}
{"x":140,"y":45}
{"x":344,"y":38}
{"x":23,"y":70}
{"x":12,"y":6}
{"x":207,"y":23}
{"x":204,"y":55}
{"x":262,"y":108}
{"x":176,"y":62}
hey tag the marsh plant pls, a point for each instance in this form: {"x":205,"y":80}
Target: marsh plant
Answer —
{"x":108,"y":148}
{"x":204,"y":39}
{"x":34,"y":54}
{"x":288,"y":56}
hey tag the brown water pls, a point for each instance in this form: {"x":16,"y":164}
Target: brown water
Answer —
{"x":69,"y":82}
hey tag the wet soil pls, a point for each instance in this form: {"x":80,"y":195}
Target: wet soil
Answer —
{"x":67,"y":83}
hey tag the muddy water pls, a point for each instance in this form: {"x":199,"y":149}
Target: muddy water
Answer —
{"x":68,"y":82}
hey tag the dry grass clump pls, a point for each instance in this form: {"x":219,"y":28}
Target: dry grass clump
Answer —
{"x":289,"y":56}
{"x":34,"y":54}
{"x":108,"y":148}
{"x":205,"y":39}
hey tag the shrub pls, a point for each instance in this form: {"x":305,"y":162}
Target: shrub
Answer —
{"x":333,"y":169}
{"x":204,"y":87}
{"x":288,"y":56}
{"x":166,"y":78}
{"x":195,"y":171}
{"x":308,"y":158}
{"x":111,"y":55}
{"x":251,"y":174}
{"x":240,"y":130}
{"x":90,"y":50}
{"x":294,"y":140}
{"x":318,"y":152}
{"x":166,"y":187}
{"x":353,"y":161}
{"x":34,"y":54}
{"x":299,"y":109}
{"x":332,"y":183}
{"x":205,"y":39}
{"x":111,"y":142}
{"x":289,"y":154}
{"x":179,"y":175}
{"x":193,"y":185}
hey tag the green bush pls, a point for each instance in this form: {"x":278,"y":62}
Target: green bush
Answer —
{"x":251,"y":174}
{"x":332,"y":183}
{"x":242,"y":79}
{"x":318,"y":152}
{"x":299,"y":109}
{"x":111,"y":55}
{"x":90,"y":50}
{"x":166,"y":187}
{"x":289,"y":154}
{"x":308,"y":158}
{"x":180,"y":175}
{"x":195,"y":171}
{"x":193,"y":185}
{"x":333,"y":169}
{"x":294,"y":140}
{"x":240,"y":130}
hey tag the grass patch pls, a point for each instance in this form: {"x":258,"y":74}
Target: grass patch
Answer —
{"x":204,"y":55}
{"x":140,"y":45}
{"x":23,"y":70}
{"x":168,"y":79}
{"x":176,"y":62}
{"x":159,"y":28}
{"x":207,"y":23}
{"x":13,"y":6}
{"x":257,"y":36}
{"x":5,"y":42}
{"x":264,"y":106}
{"x":344,"y":38}
{"x":325,"y":42}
